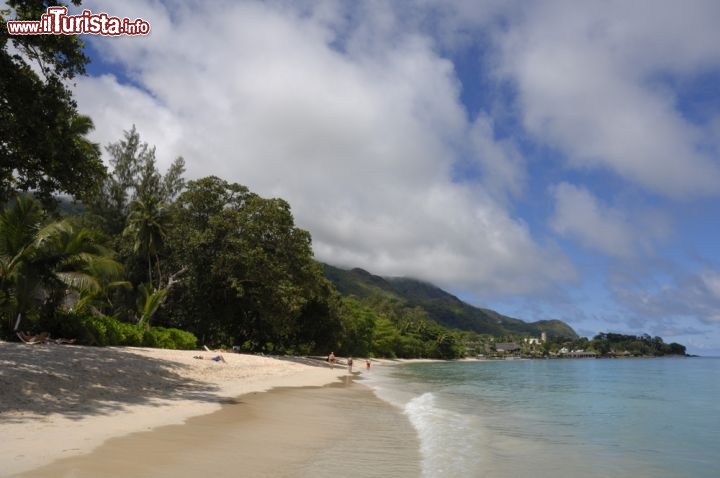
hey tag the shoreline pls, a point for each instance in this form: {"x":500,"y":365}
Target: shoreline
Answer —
{"x":59,"y":401}
{"x":341,"y":429}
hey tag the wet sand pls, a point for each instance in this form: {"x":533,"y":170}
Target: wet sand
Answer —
{"x":336,"y":430}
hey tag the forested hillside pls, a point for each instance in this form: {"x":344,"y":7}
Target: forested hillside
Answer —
{"x":440,"y":306}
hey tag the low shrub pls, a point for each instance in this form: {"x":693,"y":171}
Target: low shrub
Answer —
{"x":162,"y":338}
{"x":100,"y":330}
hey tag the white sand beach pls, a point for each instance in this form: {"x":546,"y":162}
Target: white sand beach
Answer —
{"x":59,"y":401}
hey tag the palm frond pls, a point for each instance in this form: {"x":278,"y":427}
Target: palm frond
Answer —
{"x":121,"y":283}
{"x":52,"y":233}
{"x":150,"y":302}
{"x":79,"y":281}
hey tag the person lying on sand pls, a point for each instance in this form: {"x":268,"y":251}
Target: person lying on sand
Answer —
{"x":33,"y":339}
{"x":42,"y":338}
{"x":217,"y":358}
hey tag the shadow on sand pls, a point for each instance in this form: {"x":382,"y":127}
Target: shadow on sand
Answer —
{"x":38,"y":380}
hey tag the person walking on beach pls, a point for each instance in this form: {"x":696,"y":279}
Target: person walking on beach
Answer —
{"x":331,"y":359}
{"x":349,"y":364}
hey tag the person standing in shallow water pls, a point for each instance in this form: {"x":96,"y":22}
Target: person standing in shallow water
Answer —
{"x":367,"y":364}
{"x":350,"y":364}
{"x":331,"y":359}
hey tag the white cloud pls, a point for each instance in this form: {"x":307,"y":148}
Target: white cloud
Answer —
{"x":115,"y":108}
{"x":502,"y":165}
{"x":618,"y":232}
{"x":579,"y":215}
{"x":693,"y":295}
{"x":446,"y":235}
{"x":360,"y":138}
{"x":584,"y":75}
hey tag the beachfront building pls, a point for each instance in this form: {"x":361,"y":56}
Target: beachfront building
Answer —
{"x":578,"y":354}
{"x":507,"y":347}
{"x":536,"y":340}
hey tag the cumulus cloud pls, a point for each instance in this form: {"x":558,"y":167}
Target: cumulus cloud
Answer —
{"x":356,"y":124}
{"x":587,"y":79}
{"x":115,"y":107}
{"x":503,"y":167}
{"x":613,"y":231}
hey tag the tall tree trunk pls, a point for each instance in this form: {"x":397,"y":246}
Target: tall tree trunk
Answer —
{"x":159,"y":274}
{"x":150,"y":279}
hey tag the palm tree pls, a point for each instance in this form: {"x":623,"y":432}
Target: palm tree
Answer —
{"x":146,"y":226}
{"x":79,"y":262}
{"x":39,"y":262}
{"x":18,"y":227}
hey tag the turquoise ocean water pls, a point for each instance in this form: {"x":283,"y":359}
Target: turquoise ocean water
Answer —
{"x":549,"y":418}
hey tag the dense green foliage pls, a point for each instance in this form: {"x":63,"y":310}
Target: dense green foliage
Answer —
{"x":249,"y":277}
{"x":387,"y":328}
{"x":640,"y":345}
{"x":43,"y":261}
{"x":612,"y":345}
{"x":91,"y":329}
{"x":42,"y":136}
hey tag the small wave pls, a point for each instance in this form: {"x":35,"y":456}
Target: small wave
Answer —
{"x":448,"y":440}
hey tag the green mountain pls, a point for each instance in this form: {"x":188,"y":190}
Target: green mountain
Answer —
{"x":441,"y":306}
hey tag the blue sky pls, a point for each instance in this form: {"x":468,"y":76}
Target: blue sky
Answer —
{"x":549,"y":159}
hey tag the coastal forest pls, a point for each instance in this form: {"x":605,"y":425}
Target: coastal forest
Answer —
{"x":123,"y":253}
{"x":145,"y":257}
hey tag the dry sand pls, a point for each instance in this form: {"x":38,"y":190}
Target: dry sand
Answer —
{"x":60,"y":401}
